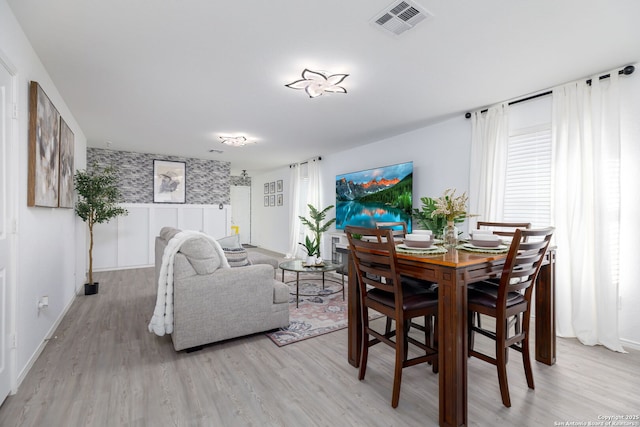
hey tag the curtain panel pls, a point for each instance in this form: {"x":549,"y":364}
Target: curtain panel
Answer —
{"x":586,"y":209}
{"x":489,"y":140}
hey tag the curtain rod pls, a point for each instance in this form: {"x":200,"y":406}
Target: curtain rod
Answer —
{"x":629,"y":69}
{"x":293,"y":165}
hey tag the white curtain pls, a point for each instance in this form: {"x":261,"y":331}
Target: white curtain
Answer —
{"x":294,"y":211}
{"x":585,"y":209}
{"x":489,"y":140}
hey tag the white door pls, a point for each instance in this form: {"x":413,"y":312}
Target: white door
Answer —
{"x":6,"y":97}
{"x":241,"y":211}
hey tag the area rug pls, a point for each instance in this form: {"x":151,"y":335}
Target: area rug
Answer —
{"x":316,"y":315}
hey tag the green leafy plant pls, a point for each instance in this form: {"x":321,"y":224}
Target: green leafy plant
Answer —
{"x":315,"y":226}
{"x":310,"y":246}
{"x":98,"y":198}
{"x":430,"y":221}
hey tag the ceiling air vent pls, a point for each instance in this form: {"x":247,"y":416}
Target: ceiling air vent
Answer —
{"x":400,"y":16}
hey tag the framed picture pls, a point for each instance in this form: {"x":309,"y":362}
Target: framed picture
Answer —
{"x":279,"y":186}
{"x":266,"y":201}
{"x":44,"y":149}
{"x":272,"y":200}
{"x":169,"y":181}
{"x":266,"y":188}
{"x":272,"y":187}
{"x":65,"y":198}
{"x":279,"y":199}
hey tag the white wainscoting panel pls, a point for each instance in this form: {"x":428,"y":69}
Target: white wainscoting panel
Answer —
{"x":129,"y":241}
{"x":133,"y":237}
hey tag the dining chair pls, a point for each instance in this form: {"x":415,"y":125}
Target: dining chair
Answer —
{"x":381,"y":288}
{"x":506,"y":229}
{"x":510,"y":299}
{"x":399,"y":228}
{"x":503,"y":228}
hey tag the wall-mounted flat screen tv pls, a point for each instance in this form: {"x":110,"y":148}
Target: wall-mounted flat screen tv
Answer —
{"x":383,"y":194}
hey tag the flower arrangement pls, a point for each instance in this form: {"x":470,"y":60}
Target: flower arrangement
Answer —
{"x":450,"y":206}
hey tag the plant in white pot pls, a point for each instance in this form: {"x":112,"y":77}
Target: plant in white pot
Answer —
{"x":315,"y":226}
{"x":98,"y":198}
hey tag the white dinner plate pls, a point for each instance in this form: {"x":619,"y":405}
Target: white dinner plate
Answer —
{"x":410,"y":248}
{"x":486,"y":248}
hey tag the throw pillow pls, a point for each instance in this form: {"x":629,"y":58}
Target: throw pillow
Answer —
{"x":201,"y":255}
{"x":237,"y":257}
{"x":232,"y":242}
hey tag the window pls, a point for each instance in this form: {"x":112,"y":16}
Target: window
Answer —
{"x":528,"y":177}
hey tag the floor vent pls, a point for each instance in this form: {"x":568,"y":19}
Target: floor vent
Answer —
{"x":400,"y":16}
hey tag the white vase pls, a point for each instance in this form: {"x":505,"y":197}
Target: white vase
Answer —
{"x":311,"y":260}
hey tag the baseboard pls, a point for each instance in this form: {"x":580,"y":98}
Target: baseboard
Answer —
{"x":632,"y":344}
{"x":43,"y":344}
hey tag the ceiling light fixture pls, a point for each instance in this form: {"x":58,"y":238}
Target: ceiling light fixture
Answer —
{"x":234,"y":141}
{"x":315,"y":83}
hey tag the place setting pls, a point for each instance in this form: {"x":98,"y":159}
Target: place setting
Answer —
{"x":421,"y":242}
{"x":484,"y":241}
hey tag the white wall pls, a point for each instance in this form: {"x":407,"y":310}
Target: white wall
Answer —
{"x":50,"y":242}
{"x":270,"y":225}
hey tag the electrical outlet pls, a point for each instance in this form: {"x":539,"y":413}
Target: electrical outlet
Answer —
{"x":43,"y":302}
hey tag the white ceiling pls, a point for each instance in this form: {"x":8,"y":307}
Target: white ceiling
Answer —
{"x":169,"y":76}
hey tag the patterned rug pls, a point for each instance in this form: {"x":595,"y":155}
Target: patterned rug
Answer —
{"x":316,"y":315}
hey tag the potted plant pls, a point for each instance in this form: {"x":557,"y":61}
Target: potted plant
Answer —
{"x":310,"y":246}
{"x":98,"y":197}
{"x":434,"y":222}
{"x":314,"y":223}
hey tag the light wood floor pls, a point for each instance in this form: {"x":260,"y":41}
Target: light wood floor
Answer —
{"x":103,"y":368}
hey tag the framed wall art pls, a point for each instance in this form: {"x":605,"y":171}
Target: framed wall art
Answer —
{"x":169,"y":181}
{"x":272,"y":200}
{"x":266,"y":201}
{"x":44,"y":149}
{"x":272,"y":187}
{"x":65,"y":195}
{"x":279,"y":199}
{"x":279,"y":186}
{"x":266,"y":188}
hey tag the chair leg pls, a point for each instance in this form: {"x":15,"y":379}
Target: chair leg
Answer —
{"x":435,"y":366}
{"x":364,"y":353}
{"x":400,"y":357}
{"x":501,"y":365}
{"x":526,"y":361}
{"x":471,"y":333}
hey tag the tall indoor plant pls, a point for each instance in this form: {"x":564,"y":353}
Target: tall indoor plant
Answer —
{"x":315,"y":226}
{"x":98,"y":198}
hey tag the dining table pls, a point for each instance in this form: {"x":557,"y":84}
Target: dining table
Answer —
{"x":453,"y":271}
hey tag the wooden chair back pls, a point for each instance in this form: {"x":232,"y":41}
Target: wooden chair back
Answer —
{"x":374,"y":259}
{"x":523,"y":263}
{"x":398,"y":228}
{"x":503,"y":228}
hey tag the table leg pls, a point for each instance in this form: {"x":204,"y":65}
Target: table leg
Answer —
{"x":545,"y":312}
{"x":354,"y":324}
{"x":297,"y":287}
{"x":452,"y":343}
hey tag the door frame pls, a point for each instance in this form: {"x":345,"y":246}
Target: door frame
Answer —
{"x":12,"y":166}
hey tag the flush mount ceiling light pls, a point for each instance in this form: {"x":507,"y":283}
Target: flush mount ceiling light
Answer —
{"x":234,"y":141}
{"x":316,"y":83}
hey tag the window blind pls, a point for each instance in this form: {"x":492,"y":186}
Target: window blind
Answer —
{"x":528,"y":177}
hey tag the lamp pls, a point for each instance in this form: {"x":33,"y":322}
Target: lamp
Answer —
{"x":234,"y":141}
{"x":316,"y":83}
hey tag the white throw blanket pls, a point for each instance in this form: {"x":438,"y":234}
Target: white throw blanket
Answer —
{"x":162,"y":320}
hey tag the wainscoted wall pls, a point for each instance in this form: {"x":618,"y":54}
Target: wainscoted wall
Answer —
{"x":207,"y":181}
{"x":129,"y":241}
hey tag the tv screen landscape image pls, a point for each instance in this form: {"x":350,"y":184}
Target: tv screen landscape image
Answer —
{"x":383,"y":194}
